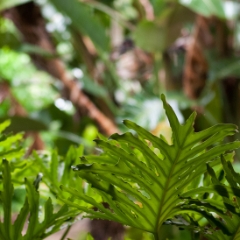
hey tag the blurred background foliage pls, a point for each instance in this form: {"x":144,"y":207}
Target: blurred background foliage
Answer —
{"x":71,"y":69}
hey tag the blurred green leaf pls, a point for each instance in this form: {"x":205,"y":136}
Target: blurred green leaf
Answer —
{"x":20,"y":124}
{"x":10,"y":145}
{"x":89,"y":237}
{"x":4,"y":4}
{"x":93,"y":88}
{"x":83,"y":20}
{"x":206,"y":8}
{"x":9,"y":39}
{"x":33,"y":49}
{"x":4,"y":125}
{"x":150,"y":37}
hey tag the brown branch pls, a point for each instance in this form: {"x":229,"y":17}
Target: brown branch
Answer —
{"x":196,"y":66}
{"x":149,"y":11}
{"x":28,"y":19}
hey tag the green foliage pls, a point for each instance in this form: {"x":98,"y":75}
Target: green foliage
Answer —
{"x":89,"y":237}
{"x":222,"y":201}
{"x":141,"y":177}
{"x":206,"y":8}
{"x":83,"y":20}
{"x":155,"y":43}
{"x":36,"y":220}
{"x":10,"y":145}
{"x":29,"y":212}
{"x":146,"y":181}
{"x":58,"y":171}
{"x":26,"y":85}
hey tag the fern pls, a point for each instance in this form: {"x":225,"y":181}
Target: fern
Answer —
{"x":36,"y":230}
{"x":10,"y":145}
{"x":141,"y":177}
{"x":223,"y":202}
{"x":13,"y":173}
{"x":57,"y":170}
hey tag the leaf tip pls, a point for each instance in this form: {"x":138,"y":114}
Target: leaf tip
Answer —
{"x":127,"y":123}
{"x":163,"y":97}
{"x":96,"y":140}
{"x":114,"y":136}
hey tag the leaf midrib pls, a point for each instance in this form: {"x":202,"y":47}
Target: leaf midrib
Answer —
{"x":165,"y":190}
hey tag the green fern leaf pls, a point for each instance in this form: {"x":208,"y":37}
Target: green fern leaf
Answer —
{"x":5,"y":197}
{"x":141,"y":177}
{"x":224,"y":203}
{"x":36,"y":230}
{"x":10,"y":147}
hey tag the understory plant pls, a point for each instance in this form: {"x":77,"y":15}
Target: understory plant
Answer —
{"x":147,"y":181}
{"x":138,"y":179}
{"x":39,"y":215}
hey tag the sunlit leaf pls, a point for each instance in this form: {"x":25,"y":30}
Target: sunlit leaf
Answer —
{"x":157,"y":41}
{"x":150,"y":173}
{"x":83,"y":20}
{"x":4,"y":125}
{"x":205,"y":7}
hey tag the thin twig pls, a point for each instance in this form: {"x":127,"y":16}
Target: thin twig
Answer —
{"x":66,"y":232}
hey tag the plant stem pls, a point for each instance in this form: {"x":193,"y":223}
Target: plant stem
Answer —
{"x":66,"y":232}
{"x":156,"y":237}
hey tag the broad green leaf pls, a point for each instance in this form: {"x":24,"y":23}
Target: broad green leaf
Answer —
{"x":4,"y":4}
{"x":143,"y":187}
{"x":155,"y":43}
{"x":83,"y":20}
{"x":205,"y":7}
{"x":19,"y":124}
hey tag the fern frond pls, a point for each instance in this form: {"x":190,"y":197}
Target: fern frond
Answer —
{"x":141,"y":176}
{"x":223,"y":203}
{"x":36,"y":229}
